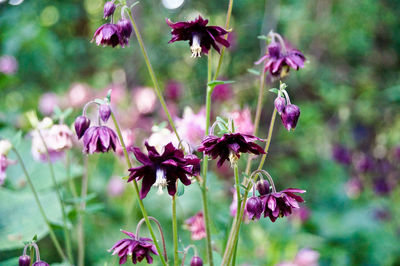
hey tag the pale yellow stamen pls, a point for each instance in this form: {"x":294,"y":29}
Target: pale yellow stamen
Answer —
{"x":196,"y":48}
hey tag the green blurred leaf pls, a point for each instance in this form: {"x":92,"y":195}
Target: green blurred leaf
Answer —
{"x":214,"y":83}
{"x":274,"y":90}
{"x":181,"y":189}
{"x":254,"y":71}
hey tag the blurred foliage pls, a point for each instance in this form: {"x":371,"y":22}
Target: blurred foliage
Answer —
{"x":349,"y":94}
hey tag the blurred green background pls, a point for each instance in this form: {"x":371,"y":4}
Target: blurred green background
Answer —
{"x":348,"y":92}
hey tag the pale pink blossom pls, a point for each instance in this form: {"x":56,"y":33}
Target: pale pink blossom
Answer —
{"x":47,"y":103}
{"x":196,"y":226}
{"x":242,"y":121}
{"x":78,"y":95}
{"x":145,"y":100}
{"x":4,"y":163}
{"x":116,"y":186}
{"x":129,"y":139}
{"x":304,"y":257}
{"x":191,"y":127}
{"x":8,"y":64}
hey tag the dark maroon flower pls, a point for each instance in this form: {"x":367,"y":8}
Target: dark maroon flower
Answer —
{"x":228,"y":145}
{"x":254,"y":207}
{"x":125,"y":27}
{"x":281,"y":57}
{"x":24,"y":260}
{"x":290,"y":116}
{"x":280,"y":204}
{"x":173,"y":90}
{"x":196,"y":261}
{"x":109,"y":35}
{"x":222,"y":92}
{"x":200,"y":36}
{"x":109,"y":8}
{"x":81,"y":124}
{"x":40,"y":263}
{"x":263,"y":187}
{"x":280,"y":104}
{"x":104,"y":112}
{"x":137,"y":248}
{"x":163,"y":170}
{"x":99,"y":139}
{"x":341,"y":154}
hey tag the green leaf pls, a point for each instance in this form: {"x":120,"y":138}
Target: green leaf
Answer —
{"x":214,"y":83}
{"x":274,"y":90}
{"x":16,"y":140}
{"x":34,"y":238}
{"x":181,"y":189}
{"x":95,"y":207}
{"x":254,"y":71}
{"x":262,"y":37}
{"x":80,"y":200}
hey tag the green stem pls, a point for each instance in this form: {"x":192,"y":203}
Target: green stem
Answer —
{"x":64,"y":216}
{"x":175,"y":231}
{"x":82,"y":207}
{"x":266,"y":149}
{"x":152,"y":74}
{"x":52,"y":235}
{"x":68,"y":170}
{"x":258,"y":115}
{"x":136,"y":188}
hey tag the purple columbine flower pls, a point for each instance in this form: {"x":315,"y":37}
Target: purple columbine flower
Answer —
{"x":230,"y":146}
{"x":81,"y":124}
{"x":281,"y":57}
{"x":99,"y":139}
{"x":104,"y":112}
{"x":254,"y":207}
{"x":125,"y":27}
{"x":196,"y":261}
{"x":279,"y":204}
{"x":280,"y":104}
{"x":200,"y":36}
{"x":290,"y":116}
{"x":24,"y":260}
{"x":40,"y":263}
{"x":341,"y":155}
{"x":163,"y":170}
{"x":262,"y":187}
{"x":108,"y":35}
{"x":109,"y":8}
{"x":137,"y":248}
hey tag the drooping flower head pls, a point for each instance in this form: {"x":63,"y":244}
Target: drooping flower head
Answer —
{"x":289,"y":116}
{"x":138,"y":248}
{"x":108,"y":35}
{"x":99,"y":139}
{"x":196,"y":226}
{"x":196,"y":261}
{"x":40,"y":263}
{"x":280,"y":57}
{"x":230,"y":146}
{"x":254,"y":207}
{"x":200,"y":36}
{"x":24,"y":260}
{"x":109,"y":8}
{"x":163,"y":170}
{"x":279,"y":204}
{"x":81,"y":124}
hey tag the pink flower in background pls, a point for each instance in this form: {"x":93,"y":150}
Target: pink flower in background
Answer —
{"x":195,"y":225}
{"x":222,"y":92}
{"x":301,"y":214}
{"x":191,"y":127}
{"x":145,"y":100}
{"x":129,"y":140}
{"x":115,"y":186}
{"x":161,"y":138}
{"x":118,"y":93}
{"x":233,"y":208}
{"x":48,"y":102}
{"x":173,"y":90}
{"x":5,"y":147}
{"x":242,"y":120}
{"x":8,"y":64}
{"x":78,"y":95}
{"x":304,"y":257}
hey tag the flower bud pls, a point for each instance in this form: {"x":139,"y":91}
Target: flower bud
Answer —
{"x":105,"y":112}
{"x":109,"y":8}
{"x":280,"y":104}
{"x":40,"y":263}
{"x":196,"y":261}
{"x":81,"y":124}
{"x":125,"y":27}
{"x":290,"y":116}
{"x":254,"y":207}
{"x":24,"y":260}
{"x":263,"y":187}
{"x":274,"y":50}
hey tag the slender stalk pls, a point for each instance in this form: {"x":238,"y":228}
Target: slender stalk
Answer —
{"x":175,"y":231}
{"x":64,"y":216}
{"x":35,"y":195}
{"x":82,"y":207}
{"x":266,"y":149}
{"x":68,"y":173}
{"x":135,"y":186}
{"x":152,"y":74}
{"x":258,"y":115}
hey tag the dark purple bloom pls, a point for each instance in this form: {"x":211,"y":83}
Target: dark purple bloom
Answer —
{"x":109,"y":35}
{"x":125,"y":27}
{"x":222,"y":92}
{"x":173,"y":90}
{"x":280,"y":104}
{"x":99,"y":139}
{"x":196,"y":261}
{"x":81,"y":124}
{"x":109,"y":8}
{"x":40,"y":263}
{"x":382,"y":186}
{"x":137,"y":248}
{"x":104,"y":112}
{"x":24,"y":260}
{"x":263,"y":187}
{"x":279,"y":60}
{"x":290,"y":116}
{"x":341,"y":154}
{"x":200,"y":36}
{"x":254,"y":207}
{"x":163,"y":170}
{"x":230,"y":144}
{"x":280,"y":204}
{"x":364,"y":163}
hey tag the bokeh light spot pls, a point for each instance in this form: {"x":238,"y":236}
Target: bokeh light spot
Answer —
{"x":172,"y":4}
{"x":49,"y":16}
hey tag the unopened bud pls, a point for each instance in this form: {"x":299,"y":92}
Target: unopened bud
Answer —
{"x":82,"y":123}
{"x":105,"y":112}
{"x":109,"y":8}
{"x":196,"y":261}
{"x":280,"y":104}
{"x":24,"y":260}
{"x":290,"y":116}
